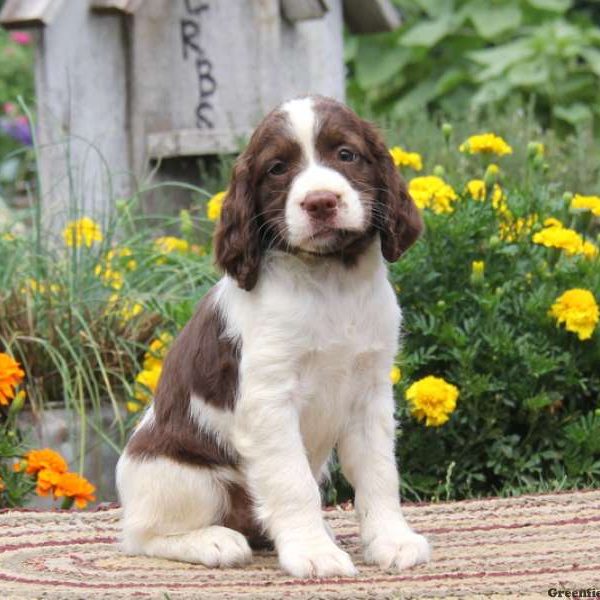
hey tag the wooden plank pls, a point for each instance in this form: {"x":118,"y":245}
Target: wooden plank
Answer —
{"x":372,"y":16}
{"x":303,"y":10}
{"x":193,"y":142}
{"x":194,"y":91}
{"x":311,"y":56}
{"x":17,"y":14}
{"x":81,"y":82}
{"x":116,"y":6}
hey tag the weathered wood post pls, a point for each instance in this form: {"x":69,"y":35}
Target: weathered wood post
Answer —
{"x":126,"y":85}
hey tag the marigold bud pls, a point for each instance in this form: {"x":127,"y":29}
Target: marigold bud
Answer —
{"x":477,"y":271}
{"x":185,"y":223}
{"x":447,"y":130}
{"x":567,"y":197}
{"x":18,"y":402}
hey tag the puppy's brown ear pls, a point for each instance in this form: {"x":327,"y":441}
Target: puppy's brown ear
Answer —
{"x":396,"y":216}
{"x":236,"y":242}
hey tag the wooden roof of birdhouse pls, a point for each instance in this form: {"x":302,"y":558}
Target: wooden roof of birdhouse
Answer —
{"x":361,"y":16}
{"x":28,"y":13}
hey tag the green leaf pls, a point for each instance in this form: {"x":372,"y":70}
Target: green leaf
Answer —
{"x":450,"y":80}
{"x":592,"y":57}
{"x":427,"y":34}
{"x":416,"y":99}
{"x":350,"y":47}
{"x":377,"y":61}
{"x":435,"y":8}
{"x":504,"y":55}
{"x":559,"y":6}
{"x":573,"y":114}
{"x":529,"y":74}
{"x":491,"y":20}
{"x":490,"y":92}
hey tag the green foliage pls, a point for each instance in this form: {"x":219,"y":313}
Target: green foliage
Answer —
{"x":529,"y":405}
{"x":455,"y":53}
{"x":16,"y":81}
{"x":15,"y":487}
{"x":16,"y":70}
{"x":80,"y":320}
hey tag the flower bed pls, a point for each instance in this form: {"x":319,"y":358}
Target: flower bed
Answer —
{"x":497,"y":383}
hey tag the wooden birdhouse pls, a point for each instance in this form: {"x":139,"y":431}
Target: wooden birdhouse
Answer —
{"x":133,"y":91}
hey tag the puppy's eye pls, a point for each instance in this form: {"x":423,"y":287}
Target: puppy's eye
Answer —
{"x":277,"y":168}
{"x":346,"y":155}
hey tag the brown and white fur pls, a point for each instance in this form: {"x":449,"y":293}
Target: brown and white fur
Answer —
{"x":286,"y":358}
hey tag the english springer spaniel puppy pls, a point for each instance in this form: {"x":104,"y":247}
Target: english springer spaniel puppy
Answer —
{"x":286,"y":358}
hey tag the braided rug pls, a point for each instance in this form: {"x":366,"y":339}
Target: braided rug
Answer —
{"x":512,"y":547}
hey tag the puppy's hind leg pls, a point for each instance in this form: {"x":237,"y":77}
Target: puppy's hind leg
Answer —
{"x":175,"y":511}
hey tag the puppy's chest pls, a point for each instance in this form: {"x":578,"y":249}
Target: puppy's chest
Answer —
{"x":341,"y":345}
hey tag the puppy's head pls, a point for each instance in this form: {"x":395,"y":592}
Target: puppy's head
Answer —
{"x":314,"y":179}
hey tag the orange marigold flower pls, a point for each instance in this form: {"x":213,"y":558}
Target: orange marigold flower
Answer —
{"x":2,"y":486}
{"x":45,"y":459}
{"x":74,"y":486}
{"x":46,"y":481}
{"x":11,"y":376}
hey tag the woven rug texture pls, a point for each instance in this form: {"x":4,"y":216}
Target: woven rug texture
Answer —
{"x":513,"y":547}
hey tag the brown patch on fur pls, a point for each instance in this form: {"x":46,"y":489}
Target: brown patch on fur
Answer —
{"x":241,"y":518}
{"x":203,"y":362}
{"x":393,"y":212}
{"x":253,"y":212}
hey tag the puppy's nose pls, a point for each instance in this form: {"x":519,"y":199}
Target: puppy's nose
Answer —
{"x":320,"y":205}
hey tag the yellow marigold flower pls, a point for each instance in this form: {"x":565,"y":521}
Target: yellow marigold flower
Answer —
{"x":146,"y":382}
{"x":477,"y":190}
{"x":591,"y":203}
{"x":133,"y":406}
{"x":492,"y":169}
{"x":214,"y":205}
{"x":125,"y":308}
{"x":555,"y":235}
{"x":577,"y":309}
{"x":2,"y":486}
{"x":83,"y":231}
{"x":11,"y":376}
{"x":511,"y":229}
{"x":46,"y":480}
{"x":74,"y":486}
{"x":589,"y":250}
{"x":403,"y":158}
{"x":157,"y":350}
{"x":432,"y":192}
{"x":168,"y":244}
{"x":432,"y":400}
{"x":33,"y":286}
{"x":45,"y":459}
{"x":123,"y":255}
{"x":395,"y":375}
{"x":108,"y":269}
{"x":485,"y":143}
{"x":109,"y":276}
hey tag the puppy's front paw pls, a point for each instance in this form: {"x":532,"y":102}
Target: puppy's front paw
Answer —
{"x":398,"y":552}
{"x":316,"y":559}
